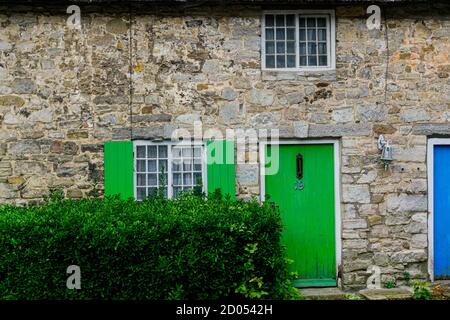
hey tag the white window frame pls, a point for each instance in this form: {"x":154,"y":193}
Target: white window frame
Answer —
{"x":331,"y":39}
{"x":170,"y":145}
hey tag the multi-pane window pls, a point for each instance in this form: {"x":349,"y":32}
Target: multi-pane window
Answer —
{"x":169,"y":168}
{"x":298,"y":41}
{"x":186,"y":168}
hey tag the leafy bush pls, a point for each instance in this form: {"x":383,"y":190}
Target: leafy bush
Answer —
{"x":421,"y":290}
{"x":189,"y":248}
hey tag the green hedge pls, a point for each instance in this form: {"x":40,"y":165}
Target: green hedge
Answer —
{"x":189,"y":248}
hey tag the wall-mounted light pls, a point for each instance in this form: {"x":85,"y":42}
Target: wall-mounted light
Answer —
{"x":386,"y":151}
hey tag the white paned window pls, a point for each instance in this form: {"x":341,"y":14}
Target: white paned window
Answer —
{"x":298,"y":40}
{"x":170,"y":168}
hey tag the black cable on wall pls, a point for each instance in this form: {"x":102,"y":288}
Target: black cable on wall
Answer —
{"x":130,"y":69}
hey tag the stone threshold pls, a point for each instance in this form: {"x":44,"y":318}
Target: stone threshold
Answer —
{"x":400,"y":293}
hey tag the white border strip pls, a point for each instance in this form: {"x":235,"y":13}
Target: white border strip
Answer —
{"x":430,"y":173}
{"x":337,"y":187}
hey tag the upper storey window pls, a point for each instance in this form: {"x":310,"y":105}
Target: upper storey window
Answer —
{"x":298,"y":40}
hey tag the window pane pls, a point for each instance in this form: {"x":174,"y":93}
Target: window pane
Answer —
{"x":187,"y":152}
{"x":303,"y":60}
{"x":290,"y":47}
{"x":270,"y":61}
{"x":280,"y":47}
{"x":187,"y":179}
{"x":177,"y":179}
{"x":322,"y":48}
{"x":312,"y":60}
{"x":290,"y":20}
{"x":302,"y":48}
{"x":270,"y":47}
{"x":163,"y":180}
{"x":176,"y":152}
{"x":280,"y":62}
{"x":140,"y":165}
{"x":141,"y":180}
{"x":140,"y":150}
{"x":269,"y":20}
{"x":302,"y":35}
{"x":197,"y":152}
{"x":312,"y":48}
{"x":197,"y":164}
{"x":321,"y":22}
{"x":152,"y":179}
{"x":280,"y":20}
{"x":290,"y":34}
{"x":140,"y":193}
{"x":269,"y":34}
{"x":301,"y":22}
{"x":311,"y":34}
{"x":197,"y":178}
{"x":151,"y":166}
{"x":176,"y":165}
{"x":323,"y":61}
{"x":162,"y":152}
{"x":152,"y":152}
{"x":187,"y":165}
{"x":152,"y":191}
{"x":177,"y":191}
{"x":322,"y":34}
{"x":280,"y":34}
{"x":291,"y":61}
{"x":163,"y":166}
{"x":311,"y":22}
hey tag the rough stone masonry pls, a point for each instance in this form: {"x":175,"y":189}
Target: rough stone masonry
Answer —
{"x":64,"y":92}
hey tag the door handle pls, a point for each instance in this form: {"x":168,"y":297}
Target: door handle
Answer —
{"x":299,"y":163}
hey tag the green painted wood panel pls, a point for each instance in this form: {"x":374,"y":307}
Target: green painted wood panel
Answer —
{"x":308,"y":214}
{"x":221,"y":167}
{"x":118,"y":166}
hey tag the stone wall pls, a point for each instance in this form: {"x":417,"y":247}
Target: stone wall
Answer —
{"x":64,"y":92}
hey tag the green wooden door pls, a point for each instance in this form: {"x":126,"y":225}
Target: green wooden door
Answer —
{"x":307,"y":210}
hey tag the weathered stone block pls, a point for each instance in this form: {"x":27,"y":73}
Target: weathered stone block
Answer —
{"x":408,"y":256}
{"x":64,"y":147}
{"x":25,"y":147}
{"x":247,"y":174}
{"x":21,"y":86}
{"x":419,"y":240}
{"x":355,"y":224}
{"x":30,"y":168}
{"x":372,"y":113}
{"x":431,"y":128}
{"x":263,"y":98}
{"x":339,"y":130}
{"x":230,"y":113}
{"x":356,"y":193}
{"x":229,"y":94}
{"x":11,"y":101}
{"x":188,"y":118}
{"x":406,"y":203}
{"x":301,"y":129}
{"x":342,"y":115}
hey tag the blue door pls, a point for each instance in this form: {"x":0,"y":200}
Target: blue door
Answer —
{"x":442,"y":211}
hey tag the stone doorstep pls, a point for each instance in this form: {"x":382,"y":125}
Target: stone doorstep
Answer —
{"x":323,"y":293}
{"x":401,"y":293}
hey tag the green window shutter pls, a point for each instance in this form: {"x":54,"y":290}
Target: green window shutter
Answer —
{"x":118,"y":164}
{"x":220,"y":167}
